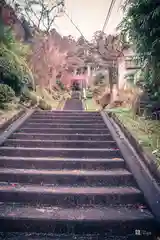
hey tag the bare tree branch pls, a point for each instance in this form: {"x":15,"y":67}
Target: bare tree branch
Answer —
{"x":41,"y":13}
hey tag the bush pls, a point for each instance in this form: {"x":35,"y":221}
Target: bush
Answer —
{"x":130,"y":77}
{"x":99,"y":79}
{"x":89,"y":94}
{"x":6,"y":94}
{"x":29,"y":96}
{"x":14,"y":69}
{"x":14,"y":82}
{"x":60,"y":84}
{"x":43,"y":105}
{"x":33,"y":98}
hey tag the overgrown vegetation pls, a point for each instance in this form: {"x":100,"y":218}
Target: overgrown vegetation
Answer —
{"x":7,"y":95}
{"x":147,"y":132}
{"x":60,"y":84}
{"x":14,"y":70}
{"x":44,"y":105}
{"x":90,"y":105}
{"x":17,"y":77}
{"x":141,"y":24}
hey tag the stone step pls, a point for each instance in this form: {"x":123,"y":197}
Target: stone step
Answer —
{"x":71,"y":137}
{"x":51,"y":163}
{"x":114,"y":221}
{"x":64,"y":130}
{"x":72,"y":236}
{"x":67,"y":112}
{"x":60,"y":152}
{"x":64,"y":120}
{"x":59,"y":144}
{"x":64,"y":125}
{"x":70,"y":196}
{"x":80,"y":186}
{"x":64,"y":177}
{"x":67,"y":117}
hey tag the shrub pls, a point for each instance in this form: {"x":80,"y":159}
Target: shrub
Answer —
{"x":29,"y":96}
{"x":89,"y":94}
{"x":43,"y":105}
{"x":60,"y":84}
{"x":13,"y":81}
{"x":14,"y":69}
{"x":33,"y":99}
{"x":99,"y":79}
{"x":6,"y":94}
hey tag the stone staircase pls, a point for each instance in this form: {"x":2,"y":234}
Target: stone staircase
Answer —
{"x":61,"y":173}
{"x":74,"y":102}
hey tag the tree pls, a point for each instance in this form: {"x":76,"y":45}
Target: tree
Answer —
{"x":97,"y":36}
{"x":141,"y":23}
{"x":47,"y":60}
{"x":14,"y":70}
{"x":39,"y":13}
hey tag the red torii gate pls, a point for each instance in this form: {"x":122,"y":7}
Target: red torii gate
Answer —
{"x":80,"y":79}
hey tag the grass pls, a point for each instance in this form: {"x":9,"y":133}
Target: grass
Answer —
{"x":48,"y":97}
{"x":147,"y":132}
{"x":91,"y":105}
{"x":8,"y":113}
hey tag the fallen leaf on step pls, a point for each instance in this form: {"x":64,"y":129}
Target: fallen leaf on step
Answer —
{"x":41,"y":210}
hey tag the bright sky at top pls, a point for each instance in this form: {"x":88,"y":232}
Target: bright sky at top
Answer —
{"x":89,"y":16}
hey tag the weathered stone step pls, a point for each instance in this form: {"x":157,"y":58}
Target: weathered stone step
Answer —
{"x":75,"y":177}
{"x":52,"y":236}
{"x":60,"y":152}
{"x":64,"y":130}
{"x":51,"y":163}
{"x":53,"y":185}
{"x":82,"y":113}
{"x":64,"y":120}
{"x":67,"y":117}
{"x":67,"y":114}
{"x":75,"y":220}
{"x":59,"y":144}
{"x":64,"y":125}
{"x":70,"y":196}
{"x":80,"y":137}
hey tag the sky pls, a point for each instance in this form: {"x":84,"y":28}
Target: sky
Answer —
{"x":89,"y":16}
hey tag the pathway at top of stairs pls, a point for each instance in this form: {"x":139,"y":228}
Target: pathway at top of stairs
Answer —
{"x":74,"y":103}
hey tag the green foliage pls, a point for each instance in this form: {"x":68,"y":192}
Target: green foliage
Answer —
{"x":12,"y":63}
{"x":89,"y":94}
{"x":60,"y":84}
{"x":27,"y":96}
{"x":13,"y":67}
{"x":6,"y":94}
{"x":141,"y":24}
{"x":43,"y":105}
{"x":130,"y":78}
{"x":99,"y":79}
{"x":13,"y":81}
{"x":6,"y":36}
